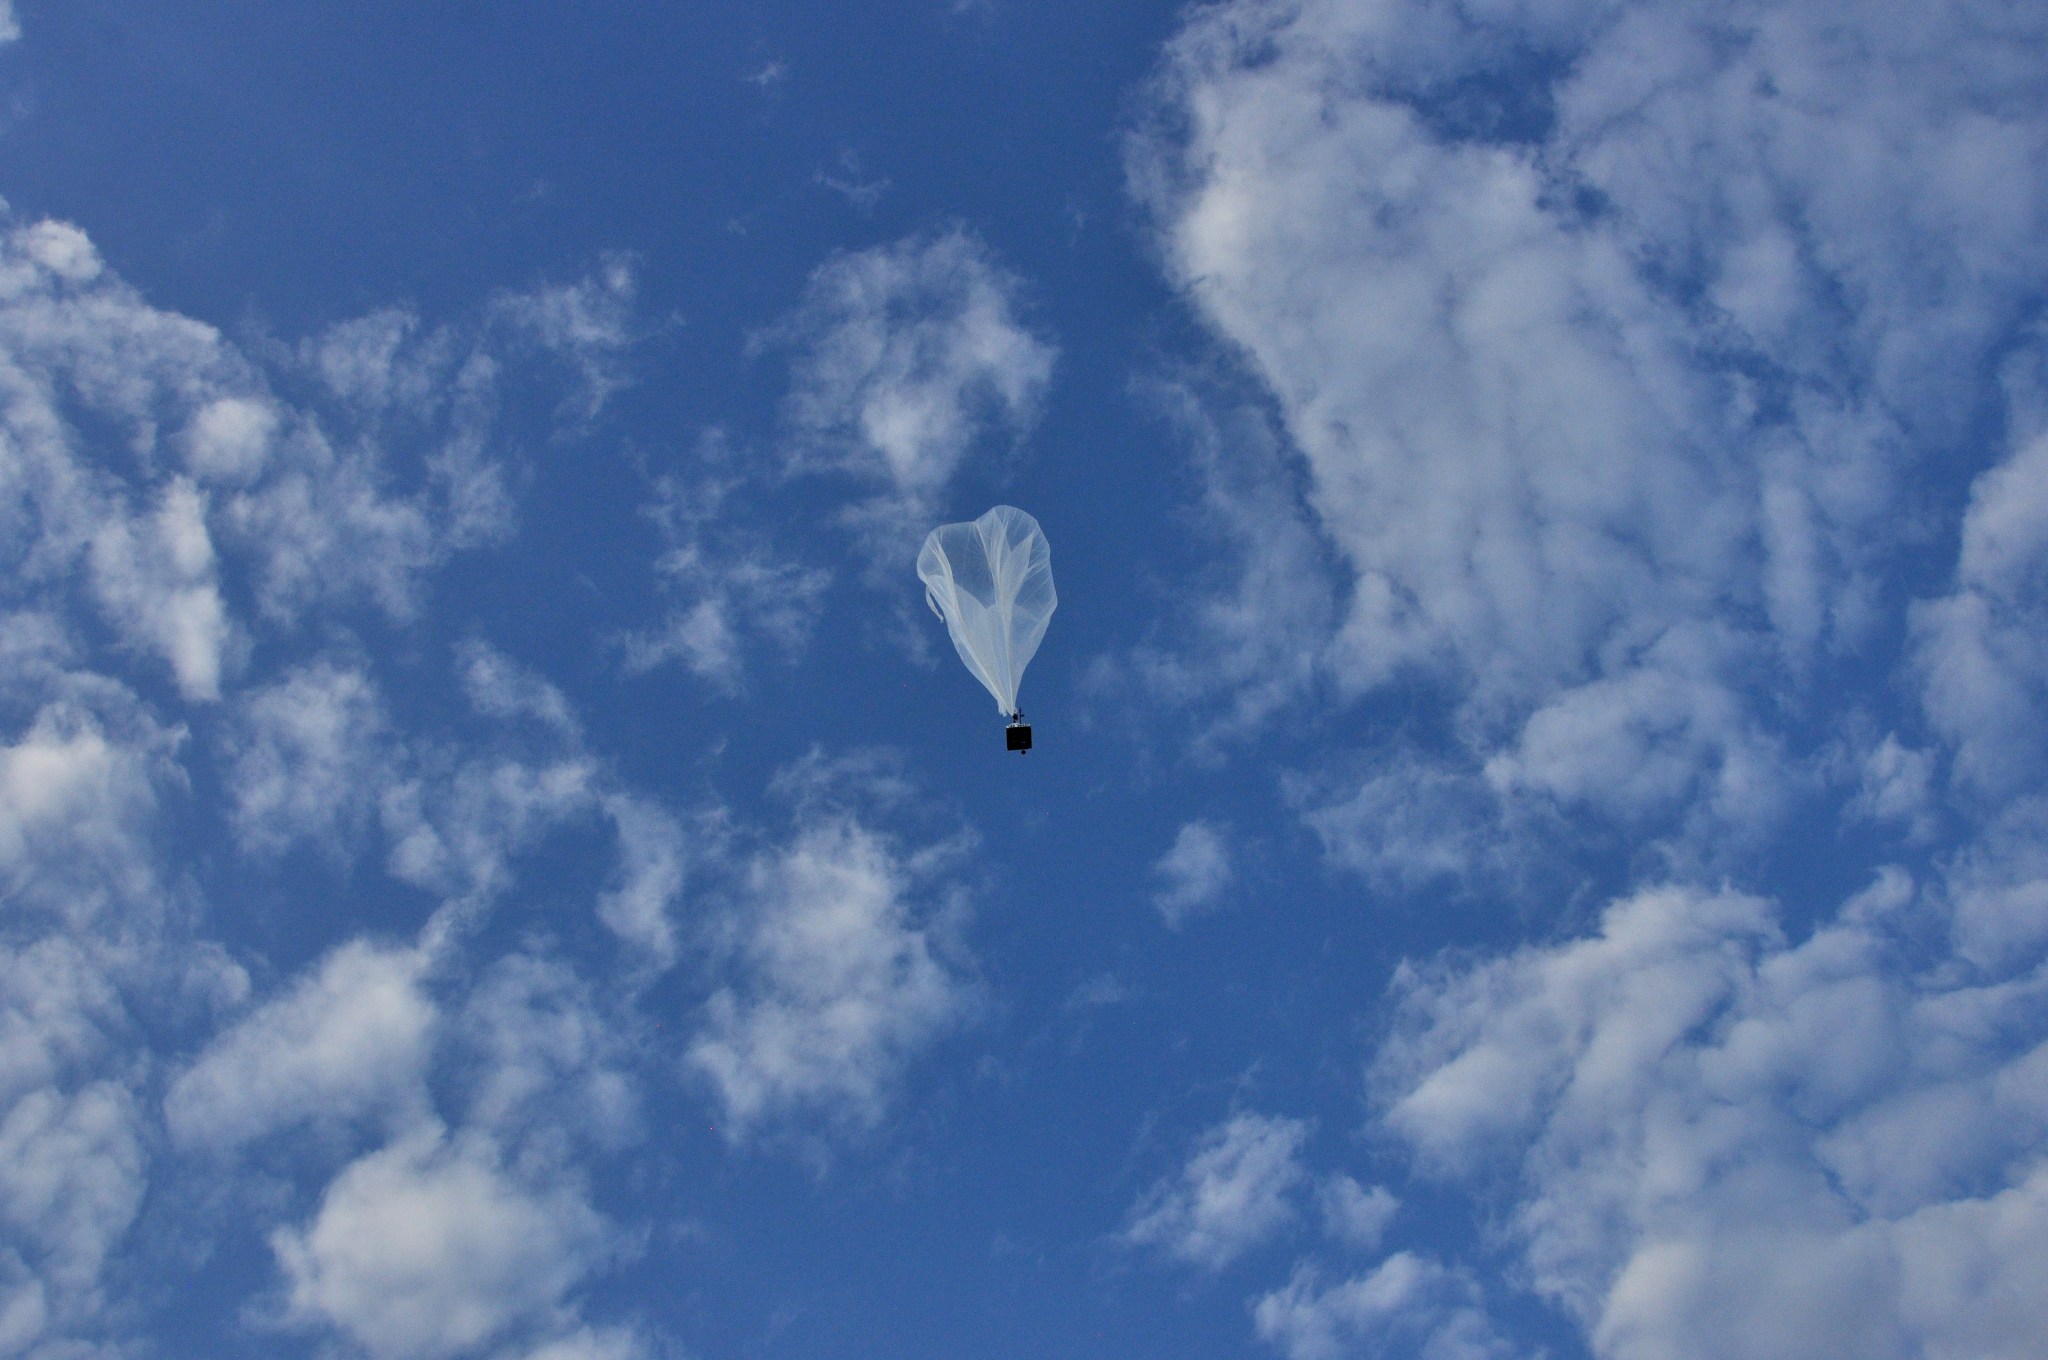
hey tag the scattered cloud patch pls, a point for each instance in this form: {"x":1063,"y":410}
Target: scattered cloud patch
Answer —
{"x":903,"y":359}
{"x":1728,"y":1144}
{"x":308,"y":758}
{"x":1234,"y":1194}
{"x":1606,"y":350}
{"x":729,"y":589}
{"x":1983,"y":662}
{"x":539,"y":1055}
{"x":1354,"y":1215}
{"x":588,"y":324}
{"x":350,"y":1039}
{"x":843,"y":972}
{"x":432,"y":1248}
{"x":1194,"y":873}
{"x":1407,"y":1305}
{"x":849,"y":180}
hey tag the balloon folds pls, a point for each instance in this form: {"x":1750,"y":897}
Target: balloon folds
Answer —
{"x":991,"y":581}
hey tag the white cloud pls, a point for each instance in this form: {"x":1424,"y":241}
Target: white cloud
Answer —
{"x":349,"y":1040}
{"x":1407,"y":822}
{"x":71,"y":1178}
{"x":1719,"y":1143}
{"x":906,"y":357}
{"x":308,"y":757}
{"x":74,"y":337}
{"x":1490,"y":401}
{"x":77,"y":798}
{"x":587,"y":1343}
{"x":1998,"y":889}
{"x":640,"y":904}
{"x":1234,"y":1194}
{"x":1668,"y":734}
{"x":456,"y":832}
{"x":1354,"y":1215}
{"x":588,"y":323}
{"x":1253,"y":640}
{"x":1406,"y":1306}
{"x":100,"y":392}
{"x":430,"y":1248}
{"x":157,"y":577}
{"x":90,"y":928}
{"x":57,"y":1006}
{"x":231,"y":438}
{"x":1980,"y":649}
{"x":1195,"y":872}
{"x":501,"y":688}
{"x":438,"y":1242}
{"x":324,"y":529}
{"x":1606,"y":342}
{"x":841,"y":976}
{"x":728,"y":588}
{"x":537,"y":1054}
{"x":1897,"y":786}
{"x":151,"y":485}
{"x":375,"y":363}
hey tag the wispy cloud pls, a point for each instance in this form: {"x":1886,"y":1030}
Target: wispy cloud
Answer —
{"x":843,"y":970}
{"x":588,"y":324}
{"x":1407,"y":1305}
{"x":1194,"y":873}
{"x":1606,"y":437}
{"x":903,"y":359}
{"x":729,"y":589}
{"x":1235,"y":1193}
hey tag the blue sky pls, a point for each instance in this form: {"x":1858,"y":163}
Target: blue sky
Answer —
{"x":1537,"y":841}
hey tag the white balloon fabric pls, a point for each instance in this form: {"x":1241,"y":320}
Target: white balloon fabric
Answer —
{"x":991,"y":581}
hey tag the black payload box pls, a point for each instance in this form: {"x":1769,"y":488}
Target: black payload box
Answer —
{"x":1019,"y":736}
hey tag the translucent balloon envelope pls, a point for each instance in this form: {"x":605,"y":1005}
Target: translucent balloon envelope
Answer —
{"x":991,"y":581}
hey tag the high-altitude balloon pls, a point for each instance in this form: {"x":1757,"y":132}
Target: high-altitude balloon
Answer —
{"x":991,"y":581}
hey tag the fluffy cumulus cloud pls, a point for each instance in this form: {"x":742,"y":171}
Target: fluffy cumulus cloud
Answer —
{"x":308,"y":758}
{"x":1235,"y":1193}
{"x":1354,"y":1215}
{"x":1194,"y":873}
{"x":1665,"y":383}
{"x":73,"y":1181}
{"x":1609,"y":338}
{"x":170,"y":528}
{"x":1404,"y":1306}
{"x":904,"y":358}
{"x":90,"y":929}
{"x":846,"y":968}
{"x":215,"y":563}
{"x":347,"y":1040}
{"x":427,"y":1248}
{"x":1978,"y":649}
{"x":432,"y":1237}
{"x":1723,"y":1143}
